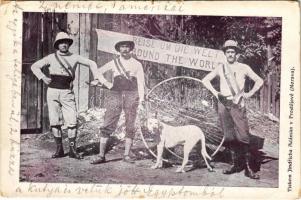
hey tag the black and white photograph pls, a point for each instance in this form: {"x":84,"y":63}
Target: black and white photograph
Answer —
{"x":150,"y":99}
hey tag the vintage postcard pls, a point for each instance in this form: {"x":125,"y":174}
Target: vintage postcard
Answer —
{"x":152,"y":100}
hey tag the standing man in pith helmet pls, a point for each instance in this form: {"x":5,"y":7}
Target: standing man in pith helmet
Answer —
{"x":125,"y":93}
{"x":60,"y":96}
{"x":231,"y":106}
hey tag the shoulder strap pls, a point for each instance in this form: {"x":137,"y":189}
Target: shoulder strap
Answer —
{"x":120,"y":67}
{"x":237,"y":96}
{"x":233,"y":77}
{"x":61,"y":63}
{"x":69,"y":67}
{"x":228,"y":82}
{"x":117,"y":66}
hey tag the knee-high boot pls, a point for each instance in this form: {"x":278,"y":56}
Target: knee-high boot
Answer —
{"x":248,"y":171}
{"x":59,"y":148}
{"x":72,"y":149}
{"x":235,"y":167}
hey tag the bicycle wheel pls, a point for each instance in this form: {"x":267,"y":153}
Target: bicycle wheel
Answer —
{"x":181,"y":101}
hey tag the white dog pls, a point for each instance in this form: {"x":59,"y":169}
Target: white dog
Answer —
{"x":170,"y":136}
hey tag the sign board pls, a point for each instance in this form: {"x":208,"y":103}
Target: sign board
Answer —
{"x":160,"y":51}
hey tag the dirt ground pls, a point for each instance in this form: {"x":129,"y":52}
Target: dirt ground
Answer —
{"x":38,"y":166}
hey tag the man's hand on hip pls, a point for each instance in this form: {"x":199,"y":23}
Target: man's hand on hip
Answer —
{"x":247,"y":95}
{"x":96,"y":82}
{"x":108,"y":85}
{"x":46,"y":80}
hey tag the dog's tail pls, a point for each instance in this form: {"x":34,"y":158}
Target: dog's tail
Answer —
{"x":203,"y":150}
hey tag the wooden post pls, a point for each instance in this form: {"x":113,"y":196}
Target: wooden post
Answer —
{"x":30,"y":94}
{"x":23,"y":103}
{"x":266,"y":93}
{"x":261,"y":99}
{"x":93,"y":56}
{"x":278,"y":108}
{"x":39,"y":121}
{"x":263,"y":94}
{"x":273,"y":95}
{"x":269,"y":93}
{"x":269,"y":56}
{"x":103,"y":21}
{"x":79,"y":30}
{"x":84,"y":48}
{"x":26,"y":21}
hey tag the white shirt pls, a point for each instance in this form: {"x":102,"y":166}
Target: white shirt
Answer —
{"x":240,"y":72}
{"x":56,"y":69}
{"x":133,"y":68}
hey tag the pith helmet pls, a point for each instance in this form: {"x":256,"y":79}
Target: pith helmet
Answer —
{"x":60,"y":37}
{"x":231,"y":44}
{"x":125,"y":42}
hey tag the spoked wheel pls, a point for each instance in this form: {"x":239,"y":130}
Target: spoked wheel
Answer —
{"x":179,"y":101}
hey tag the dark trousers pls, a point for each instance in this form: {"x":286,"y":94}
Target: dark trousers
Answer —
{"x":115,"y":102}
{"x":234,"y":124}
